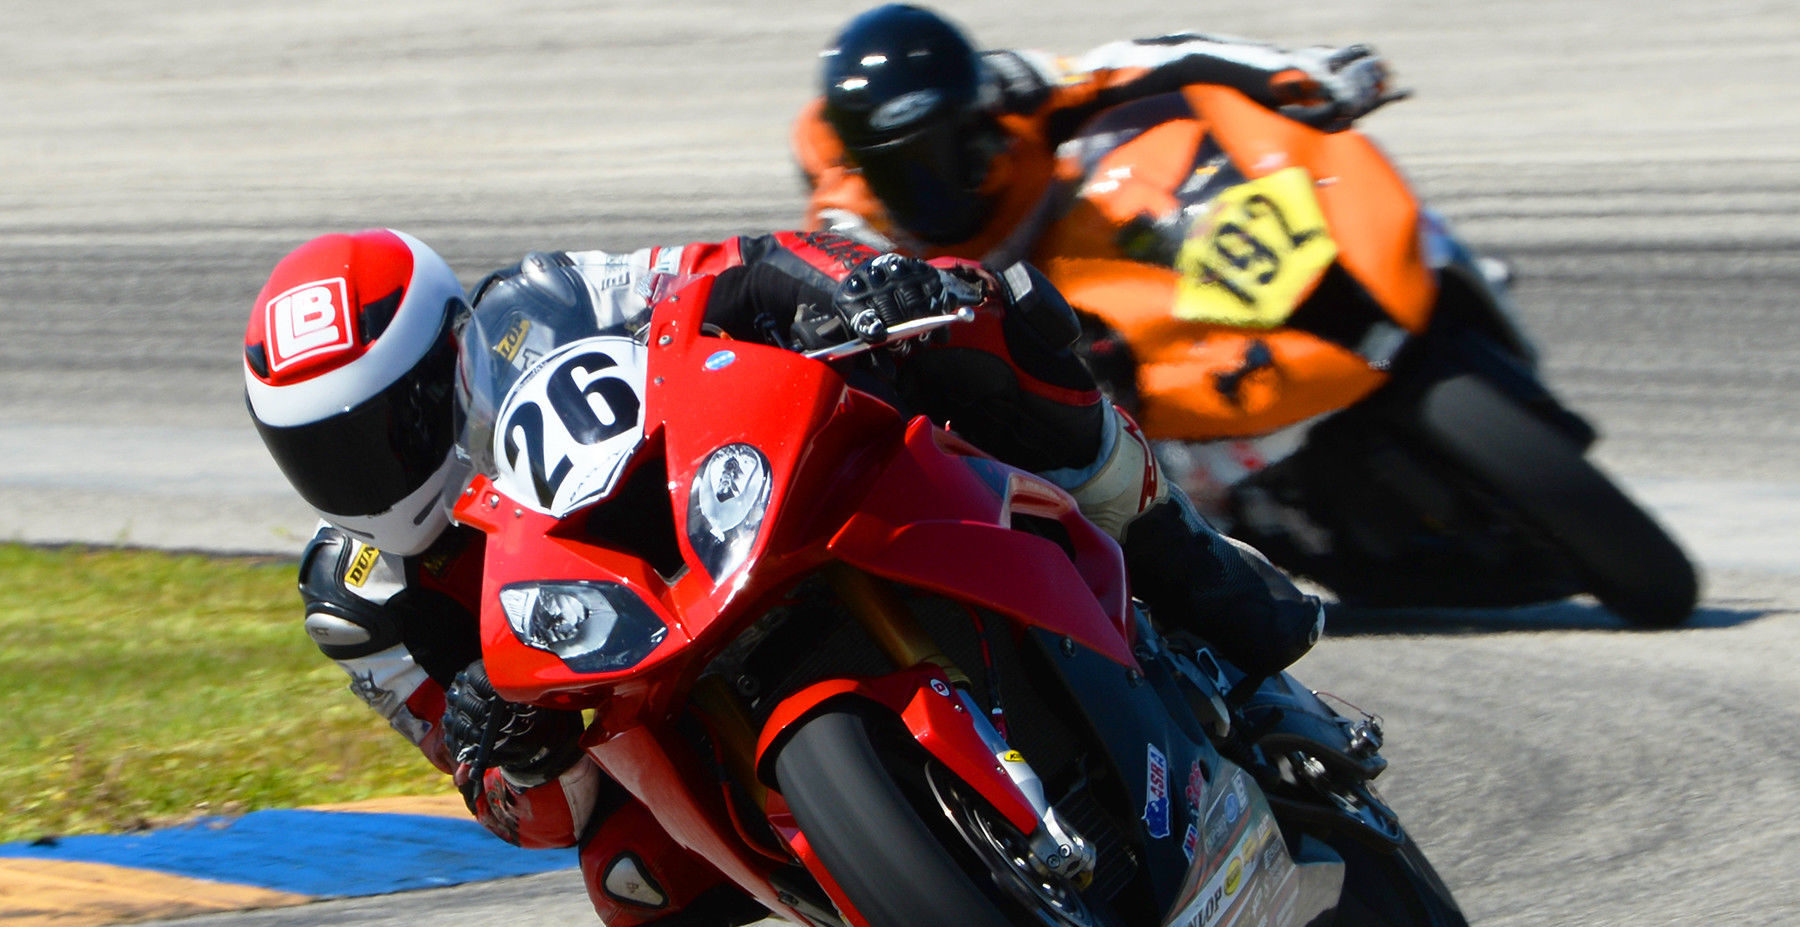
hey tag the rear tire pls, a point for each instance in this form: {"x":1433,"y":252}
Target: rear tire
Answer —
{"x":1622,"y":555}
{"x":869,"y":816}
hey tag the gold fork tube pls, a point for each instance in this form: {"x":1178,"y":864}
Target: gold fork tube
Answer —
{"x":888,"y":621}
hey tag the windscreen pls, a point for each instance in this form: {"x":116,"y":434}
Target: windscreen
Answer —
{"x":549,"y":400}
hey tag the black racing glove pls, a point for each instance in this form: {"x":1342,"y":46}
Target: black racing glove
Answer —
{"x":527,"y":743}
{"x":882,"y":292}
{"x":1339,"y":86}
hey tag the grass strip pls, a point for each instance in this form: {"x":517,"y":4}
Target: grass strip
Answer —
{"x":141,"y":688}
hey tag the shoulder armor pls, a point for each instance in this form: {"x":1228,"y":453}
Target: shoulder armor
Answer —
{"x":346,"y":585}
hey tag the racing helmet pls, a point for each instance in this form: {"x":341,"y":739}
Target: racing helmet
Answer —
{"x":349,"y":364}
{"x":909,"y":98}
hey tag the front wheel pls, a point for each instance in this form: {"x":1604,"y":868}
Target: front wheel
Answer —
{"x":1392,"y":888}
{"x":1622,"y":555}
{"x":866,"y":799}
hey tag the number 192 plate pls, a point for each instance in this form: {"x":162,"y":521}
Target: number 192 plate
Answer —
{"x":1251,"y":257}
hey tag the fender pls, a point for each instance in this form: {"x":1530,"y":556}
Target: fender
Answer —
{"x":923,"y":700}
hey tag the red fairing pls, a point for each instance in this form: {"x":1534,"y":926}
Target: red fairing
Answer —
{"x":630,"y":864}
{"x":982,"y":560}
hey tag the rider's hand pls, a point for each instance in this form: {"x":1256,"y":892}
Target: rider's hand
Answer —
{"x":1331,"y":87}
{"x":528,"y":744}
{"x":891,"y":289}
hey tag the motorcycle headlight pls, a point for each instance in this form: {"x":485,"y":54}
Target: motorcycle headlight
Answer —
{"x":726,"y":506}
{"x":593,"y":627}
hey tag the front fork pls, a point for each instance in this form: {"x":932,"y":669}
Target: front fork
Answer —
{"x":1056,"y":848}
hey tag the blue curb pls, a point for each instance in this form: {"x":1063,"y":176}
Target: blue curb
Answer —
{"x":317,"y":853}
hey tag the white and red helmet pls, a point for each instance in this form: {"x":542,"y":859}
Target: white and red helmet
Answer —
{"x":349,"y":367}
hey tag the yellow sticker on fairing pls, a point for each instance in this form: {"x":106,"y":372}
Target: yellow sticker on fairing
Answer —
{"x":1248,"y":261}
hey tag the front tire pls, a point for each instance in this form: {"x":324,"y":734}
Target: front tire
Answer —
{"x":1397,"y":888}
{"x":865,"y":805}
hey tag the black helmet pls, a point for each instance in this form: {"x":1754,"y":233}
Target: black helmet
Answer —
{"x":908,"y":96}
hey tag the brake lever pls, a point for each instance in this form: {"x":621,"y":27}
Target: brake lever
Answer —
{"x":900,"y":332}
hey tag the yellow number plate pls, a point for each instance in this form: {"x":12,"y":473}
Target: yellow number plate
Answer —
{"x":1248,"y":261}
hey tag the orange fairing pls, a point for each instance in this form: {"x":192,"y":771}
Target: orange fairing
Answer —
{"x":1307,"y":378}
{"x":1196,"y":377}
{"x":1373,"y":214}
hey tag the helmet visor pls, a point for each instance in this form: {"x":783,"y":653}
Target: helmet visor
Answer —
{"x":367,"y":458}
{"x":930,"y":180}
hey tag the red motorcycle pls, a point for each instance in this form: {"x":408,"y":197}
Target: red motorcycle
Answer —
{"x":874,"y":676}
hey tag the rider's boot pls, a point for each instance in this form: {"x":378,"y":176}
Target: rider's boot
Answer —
{"x":1191,"y":577}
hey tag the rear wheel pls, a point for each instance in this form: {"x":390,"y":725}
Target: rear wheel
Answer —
{"x":1622,"y":555}
{"x":902,"y":838}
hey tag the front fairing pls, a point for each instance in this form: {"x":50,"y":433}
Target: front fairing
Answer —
{"x":583,"y":459}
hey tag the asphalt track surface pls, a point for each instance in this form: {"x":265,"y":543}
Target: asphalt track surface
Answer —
{"x":1639,"y":163}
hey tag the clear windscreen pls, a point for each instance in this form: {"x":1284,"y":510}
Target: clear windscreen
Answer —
{"x":563,"y":376}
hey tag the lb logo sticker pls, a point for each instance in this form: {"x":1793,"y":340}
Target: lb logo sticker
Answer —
{"x":361,"y":565}
{"x":307,"y":321}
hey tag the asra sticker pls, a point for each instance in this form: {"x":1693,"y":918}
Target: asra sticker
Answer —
{"x":1156,"y":803}
{"x":307,"y":321}
{"x":567,"y":428}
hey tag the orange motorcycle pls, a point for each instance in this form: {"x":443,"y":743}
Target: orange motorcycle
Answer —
{"x":1335,"y":377}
